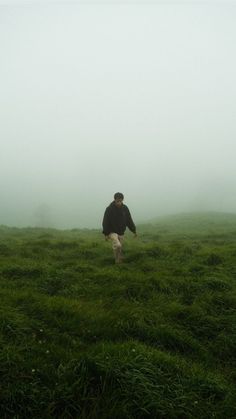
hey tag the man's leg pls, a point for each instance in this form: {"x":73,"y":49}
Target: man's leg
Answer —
{"x":117,"y":246}
{"x":121,"y":238}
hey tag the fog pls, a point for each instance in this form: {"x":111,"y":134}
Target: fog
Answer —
{"x":138,"y":98}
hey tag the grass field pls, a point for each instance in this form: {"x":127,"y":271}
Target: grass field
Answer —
{"x":155,"y":337}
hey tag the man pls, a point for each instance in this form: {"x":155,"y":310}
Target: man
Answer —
{"x":116,"y":218}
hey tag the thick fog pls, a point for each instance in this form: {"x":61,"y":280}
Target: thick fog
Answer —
{"x":138,"y":98}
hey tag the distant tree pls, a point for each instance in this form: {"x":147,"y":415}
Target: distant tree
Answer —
{"x":43,"y":216}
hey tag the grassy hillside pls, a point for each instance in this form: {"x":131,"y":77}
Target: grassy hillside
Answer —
{"x":155,"y":337}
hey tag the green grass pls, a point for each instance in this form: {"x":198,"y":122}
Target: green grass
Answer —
{"x":155,"y":337}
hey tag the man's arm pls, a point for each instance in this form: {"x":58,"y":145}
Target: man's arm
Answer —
{"x":129,"y":221}
{"x":105,"y":223}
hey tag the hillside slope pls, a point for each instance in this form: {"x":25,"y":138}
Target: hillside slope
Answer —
{"x":152,"y":338}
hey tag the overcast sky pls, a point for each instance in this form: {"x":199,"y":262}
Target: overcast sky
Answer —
{"x":98,"y":98}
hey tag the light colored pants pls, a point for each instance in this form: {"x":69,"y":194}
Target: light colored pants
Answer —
{"x":116,"y":245}
{"x":116,"y":240}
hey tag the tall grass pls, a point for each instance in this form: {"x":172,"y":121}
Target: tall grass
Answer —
{"x":155,"y":337}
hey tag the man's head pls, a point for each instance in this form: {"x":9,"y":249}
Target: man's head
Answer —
{"x":118,"y":197}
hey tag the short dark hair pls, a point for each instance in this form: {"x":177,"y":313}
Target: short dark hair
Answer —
{"x":118,"y":195}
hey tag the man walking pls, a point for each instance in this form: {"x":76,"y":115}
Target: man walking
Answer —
{"x":116,"y":218}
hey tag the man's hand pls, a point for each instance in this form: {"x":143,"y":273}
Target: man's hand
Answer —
{"x":106,"y":238}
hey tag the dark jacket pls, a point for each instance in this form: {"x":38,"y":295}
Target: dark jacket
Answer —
{"x":116,"y":220}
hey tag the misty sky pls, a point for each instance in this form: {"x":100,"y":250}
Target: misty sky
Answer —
{"x":98,"y":98}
